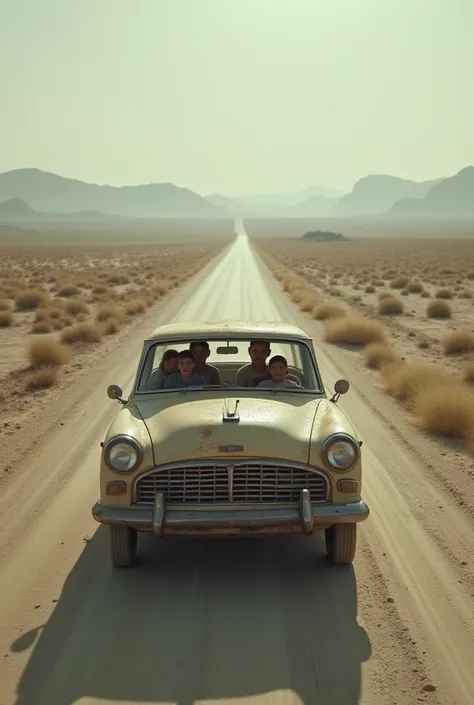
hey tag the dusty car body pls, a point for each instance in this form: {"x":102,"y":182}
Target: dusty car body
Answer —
{"x":231,"y":460}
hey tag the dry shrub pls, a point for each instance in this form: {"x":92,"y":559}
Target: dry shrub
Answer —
{"x":423,"y":344}
{"x":76,"y":306}
{"x":30,"y":299}
{"x":446,"y":410}
{"x":369,"y":289}
{"x":415,"y":287}
{"x":81,"y":333}
{"x":6,"y":319}
{"x":464,"y":294}
{"x":42,"y":327}
{"x":48,"y":352}
{"x":379,"y":354}
{"x":99,"y":289}
{"x":111,"y":326}
{"x":107,"y":311}
{"x":354,"y":330}
{"x":307,"y":304}
{"x":405,"y":381}
{"x":385,"y":295}
{"x":460,"y":341}
{"x":118,"y":279}
{"x":42,"y":379}
{"x":81,"y":317}
{"x":438,"y":309}
{"x":469,"y":372}
{"x":390,"y":306}
{"x":5,"y":305}
{"x":399,"y":282}
{"x":324,"y":311}
{"x":135,"y":307}
{"x":69,"y":290}
{"x":425,"y":294}
{"x":161,"y":288}
{"x":444,"y":294}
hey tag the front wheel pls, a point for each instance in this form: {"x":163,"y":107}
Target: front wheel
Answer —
{"x":123,"y":545}
{"x":341,"y":542}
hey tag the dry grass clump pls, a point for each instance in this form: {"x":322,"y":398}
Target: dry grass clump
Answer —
{"x":107,"y":311}
{"x":370,"y":289}
{"x":405,"y":380}
{"x":446,"y":410}
{"x":390,"y":306}
{"x":469,"y":372}
{"x":48,"y":352}
{"x":308,"y":304}
{"x":6,"y":319}
{"x":385,"y":295}
{"x":135,"y":307}
{"x":81,"y":333}
{"x":354,"y":330}
{"x":30,"y":299}
{"x":425,"y":294}
{"x":438,"y":309}
{"x":42,"y":327}
{"x":459,"y":341}
{"x":110,"y":327}
{"x":5,"y":305}
{"x":42,"y":378}
{"x":76,"y":306}
{"x":326,"y":310}
{"x":444,"y":294}
{"x":69,"y":290}
{"x":400,"y":282}
{"x":379,"y":354}
{"x":465,"y":294}
{"x":414,"y":287}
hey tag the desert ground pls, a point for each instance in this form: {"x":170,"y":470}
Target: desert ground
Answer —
{"x":250,"y":621}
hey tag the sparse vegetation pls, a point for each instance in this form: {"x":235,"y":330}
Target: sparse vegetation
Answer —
{"x":354,"y":330}
{"x":48,"y":352}
{"x":379,"y":354}
{"x":438,"y":309}
{"x":461,"y":341}
{"x":390,"y":306}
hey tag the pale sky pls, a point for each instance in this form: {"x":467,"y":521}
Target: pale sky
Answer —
{"x":237,"y":96}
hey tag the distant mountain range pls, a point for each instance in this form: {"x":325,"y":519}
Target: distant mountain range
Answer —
{"x":50,"y":193}
{"x":30,"y":195}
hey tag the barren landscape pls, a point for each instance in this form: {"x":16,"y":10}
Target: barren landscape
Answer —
{"x":242,"y":620}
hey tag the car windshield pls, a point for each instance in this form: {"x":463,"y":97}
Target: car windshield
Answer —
{"x":233,"y":364}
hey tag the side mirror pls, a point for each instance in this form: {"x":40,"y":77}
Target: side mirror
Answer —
{"x":341,"y":387}
{"x":114,"y":392}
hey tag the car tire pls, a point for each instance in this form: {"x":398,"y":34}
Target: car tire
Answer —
{"x":341,"y":542}
{"x":123,"y":545}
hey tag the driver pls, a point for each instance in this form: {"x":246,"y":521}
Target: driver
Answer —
{"x":257,"y":370}
{"x":201,"y":351}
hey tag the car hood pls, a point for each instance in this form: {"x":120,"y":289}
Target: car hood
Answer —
{"x":185,"y":429}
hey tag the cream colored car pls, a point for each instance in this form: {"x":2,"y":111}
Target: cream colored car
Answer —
{"x":231,"y":460}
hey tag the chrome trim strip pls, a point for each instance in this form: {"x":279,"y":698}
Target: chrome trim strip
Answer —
{"x":141,"y":518}
{"x":158,"y":516}
{"x":306,"y":513}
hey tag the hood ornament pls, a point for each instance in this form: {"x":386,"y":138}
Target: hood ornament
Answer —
{"x":228,"y":415}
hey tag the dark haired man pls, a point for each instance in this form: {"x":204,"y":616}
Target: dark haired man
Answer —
{"x":201,"y":351}
{"x":257,"y":370}
{"x":186,"y":377}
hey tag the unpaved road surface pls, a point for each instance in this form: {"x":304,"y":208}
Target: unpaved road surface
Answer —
{"x":261,"y":621}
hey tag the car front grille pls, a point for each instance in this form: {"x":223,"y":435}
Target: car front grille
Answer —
{"x":242,"y":483}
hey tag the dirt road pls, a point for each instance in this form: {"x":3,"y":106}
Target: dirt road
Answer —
{"x":251,"y":621}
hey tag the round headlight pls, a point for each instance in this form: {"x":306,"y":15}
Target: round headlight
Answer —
{"x":341,"y":453}
{"x":122,"y":456}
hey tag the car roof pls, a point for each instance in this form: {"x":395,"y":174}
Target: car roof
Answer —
{"x":202,"y":330}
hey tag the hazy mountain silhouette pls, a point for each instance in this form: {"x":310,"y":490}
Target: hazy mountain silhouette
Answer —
{"x":376,"y":194}
{"x":450,"y":198}
{"x":286,"y":199}
{"x":315,"y":205}
{"x":46,"y":192}
{"x":15,"y":210}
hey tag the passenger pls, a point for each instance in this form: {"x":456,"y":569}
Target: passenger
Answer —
{"x":278,"y":367}
{"x":200,"y":350}
{"x":256,"y":371}
{"x":168,"y":365}
{"x":186,"y":377}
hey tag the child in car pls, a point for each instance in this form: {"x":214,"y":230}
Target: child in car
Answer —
{"x":278,"y":369}
{"x":185,"y":377}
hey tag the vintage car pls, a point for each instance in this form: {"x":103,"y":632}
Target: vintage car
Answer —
{"x":226,"y":459}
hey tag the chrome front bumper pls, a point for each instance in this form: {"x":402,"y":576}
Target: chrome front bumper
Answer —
{"x":161,"y":520}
